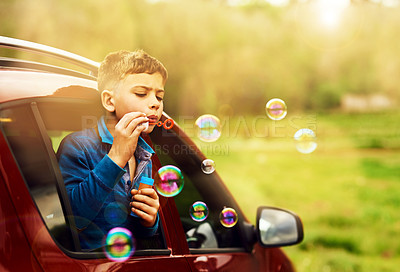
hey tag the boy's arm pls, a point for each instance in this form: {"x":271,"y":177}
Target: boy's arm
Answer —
{"x":87,"y":189}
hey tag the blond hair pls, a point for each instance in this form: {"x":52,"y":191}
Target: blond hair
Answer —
{"x":117,"y":65}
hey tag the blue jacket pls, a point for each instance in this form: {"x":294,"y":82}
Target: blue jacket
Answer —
{"x":98,"y":189}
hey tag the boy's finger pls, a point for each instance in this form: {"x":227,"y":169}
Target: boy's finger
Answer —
{"x":134,"y":192}
{"x":143,"y":215}
{"x":143,"y":208}
{"x":146,"y":200}
{"x":134,"y":124}
{"x":149,"y":192}
{"x":127,"y":118}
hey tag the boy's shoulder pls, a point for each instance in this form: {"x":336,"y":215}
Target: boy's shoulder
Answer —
{"x":90,"y":133}
{"x":83,"y":137}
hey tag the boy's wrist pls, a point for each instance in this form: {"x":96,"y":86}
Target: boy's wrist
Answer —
{"x":120,"y":161}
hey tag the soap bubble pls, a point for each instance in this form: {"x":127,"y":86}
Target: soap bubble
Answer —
{"x":119,"y":244}
{"x":228,"y":217}
{"x":199,"y":211}
{"x":276,"y":109}
{"x":170,"y":182}
{"x":305,"y":140}
{"x":208,"y":166}
{"x":115,"y":213}
{"x":209,"y":128}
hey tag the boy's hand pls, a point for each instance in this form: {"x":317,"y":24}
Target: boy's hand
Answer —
{"x":145,"y":204}
{"x":126,"y":134}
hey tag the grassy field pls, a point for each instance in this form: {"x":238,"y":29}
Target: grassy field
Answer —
{"x":347,"y":191}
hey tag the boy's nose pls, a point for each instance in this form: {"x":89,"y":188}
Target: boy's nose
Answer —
{"x":154,"y":103}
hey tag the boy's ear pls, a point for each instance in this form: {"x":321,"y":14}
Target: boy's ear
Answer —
{"x":107,"y":99}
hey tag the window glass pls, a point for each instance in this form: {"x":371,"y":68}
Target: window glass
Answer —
{"x":29,"y":150}
{"x":56,"y":136}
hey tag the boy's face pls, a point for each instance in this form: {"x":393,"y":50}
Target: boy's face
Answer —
{"x":140,"y":93}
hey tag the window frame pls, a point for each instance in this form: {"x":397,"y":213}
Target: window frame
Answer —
{"x":245,"y":229}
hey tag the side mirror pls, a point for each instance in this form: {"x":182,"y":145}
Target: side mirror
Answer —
{"x":277,"y":227}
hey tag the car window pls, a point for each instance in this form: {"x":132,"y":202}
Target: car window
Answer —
{"x":34,"y":130}
{"x":200,"y":188}
{"x":26,"y":142}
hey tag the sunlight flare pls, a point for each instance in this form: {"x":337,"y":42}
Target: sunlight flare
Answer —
{"x":330,"y":12}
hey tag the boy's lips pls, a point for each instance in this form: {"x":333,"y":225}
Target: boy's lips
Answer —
{"x":153,"y":119}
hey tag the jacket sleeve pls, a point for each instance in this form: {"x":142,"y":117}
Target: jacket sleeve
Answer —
{"x":141,"y":231}
{"x":87,"y":188}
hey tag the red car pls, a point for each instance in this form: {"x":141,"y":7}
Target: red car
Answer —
{"x":39,"y":105}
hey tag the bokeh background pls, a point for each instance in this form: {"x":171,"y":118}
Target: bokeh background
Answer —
{"x":335,"y":63}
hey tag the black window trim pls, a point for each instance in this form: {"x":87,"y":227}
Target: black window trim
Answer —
{"x":62,"y":193}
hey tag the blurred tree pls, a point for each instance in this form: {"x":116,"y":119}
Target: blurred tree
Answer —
{"x":218,"y":53}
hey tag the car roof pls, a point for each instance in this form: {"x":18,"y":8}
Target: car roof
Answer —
{"x":25,"y":79}
{"x":36,"y":48}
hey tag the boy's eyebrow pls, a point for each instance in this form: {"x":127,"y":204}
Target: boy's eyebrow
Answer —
{"x":148,"y":88}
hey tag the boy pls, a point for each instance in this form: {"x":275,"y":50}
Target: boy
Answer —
{"x":101,"y":166}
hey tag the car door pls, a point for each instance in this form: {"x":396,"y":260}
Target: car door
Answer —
{"x":33,"y":130}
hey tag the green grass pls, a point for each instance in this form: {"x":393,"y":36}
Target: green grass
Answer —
{"x":347,"y":191}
